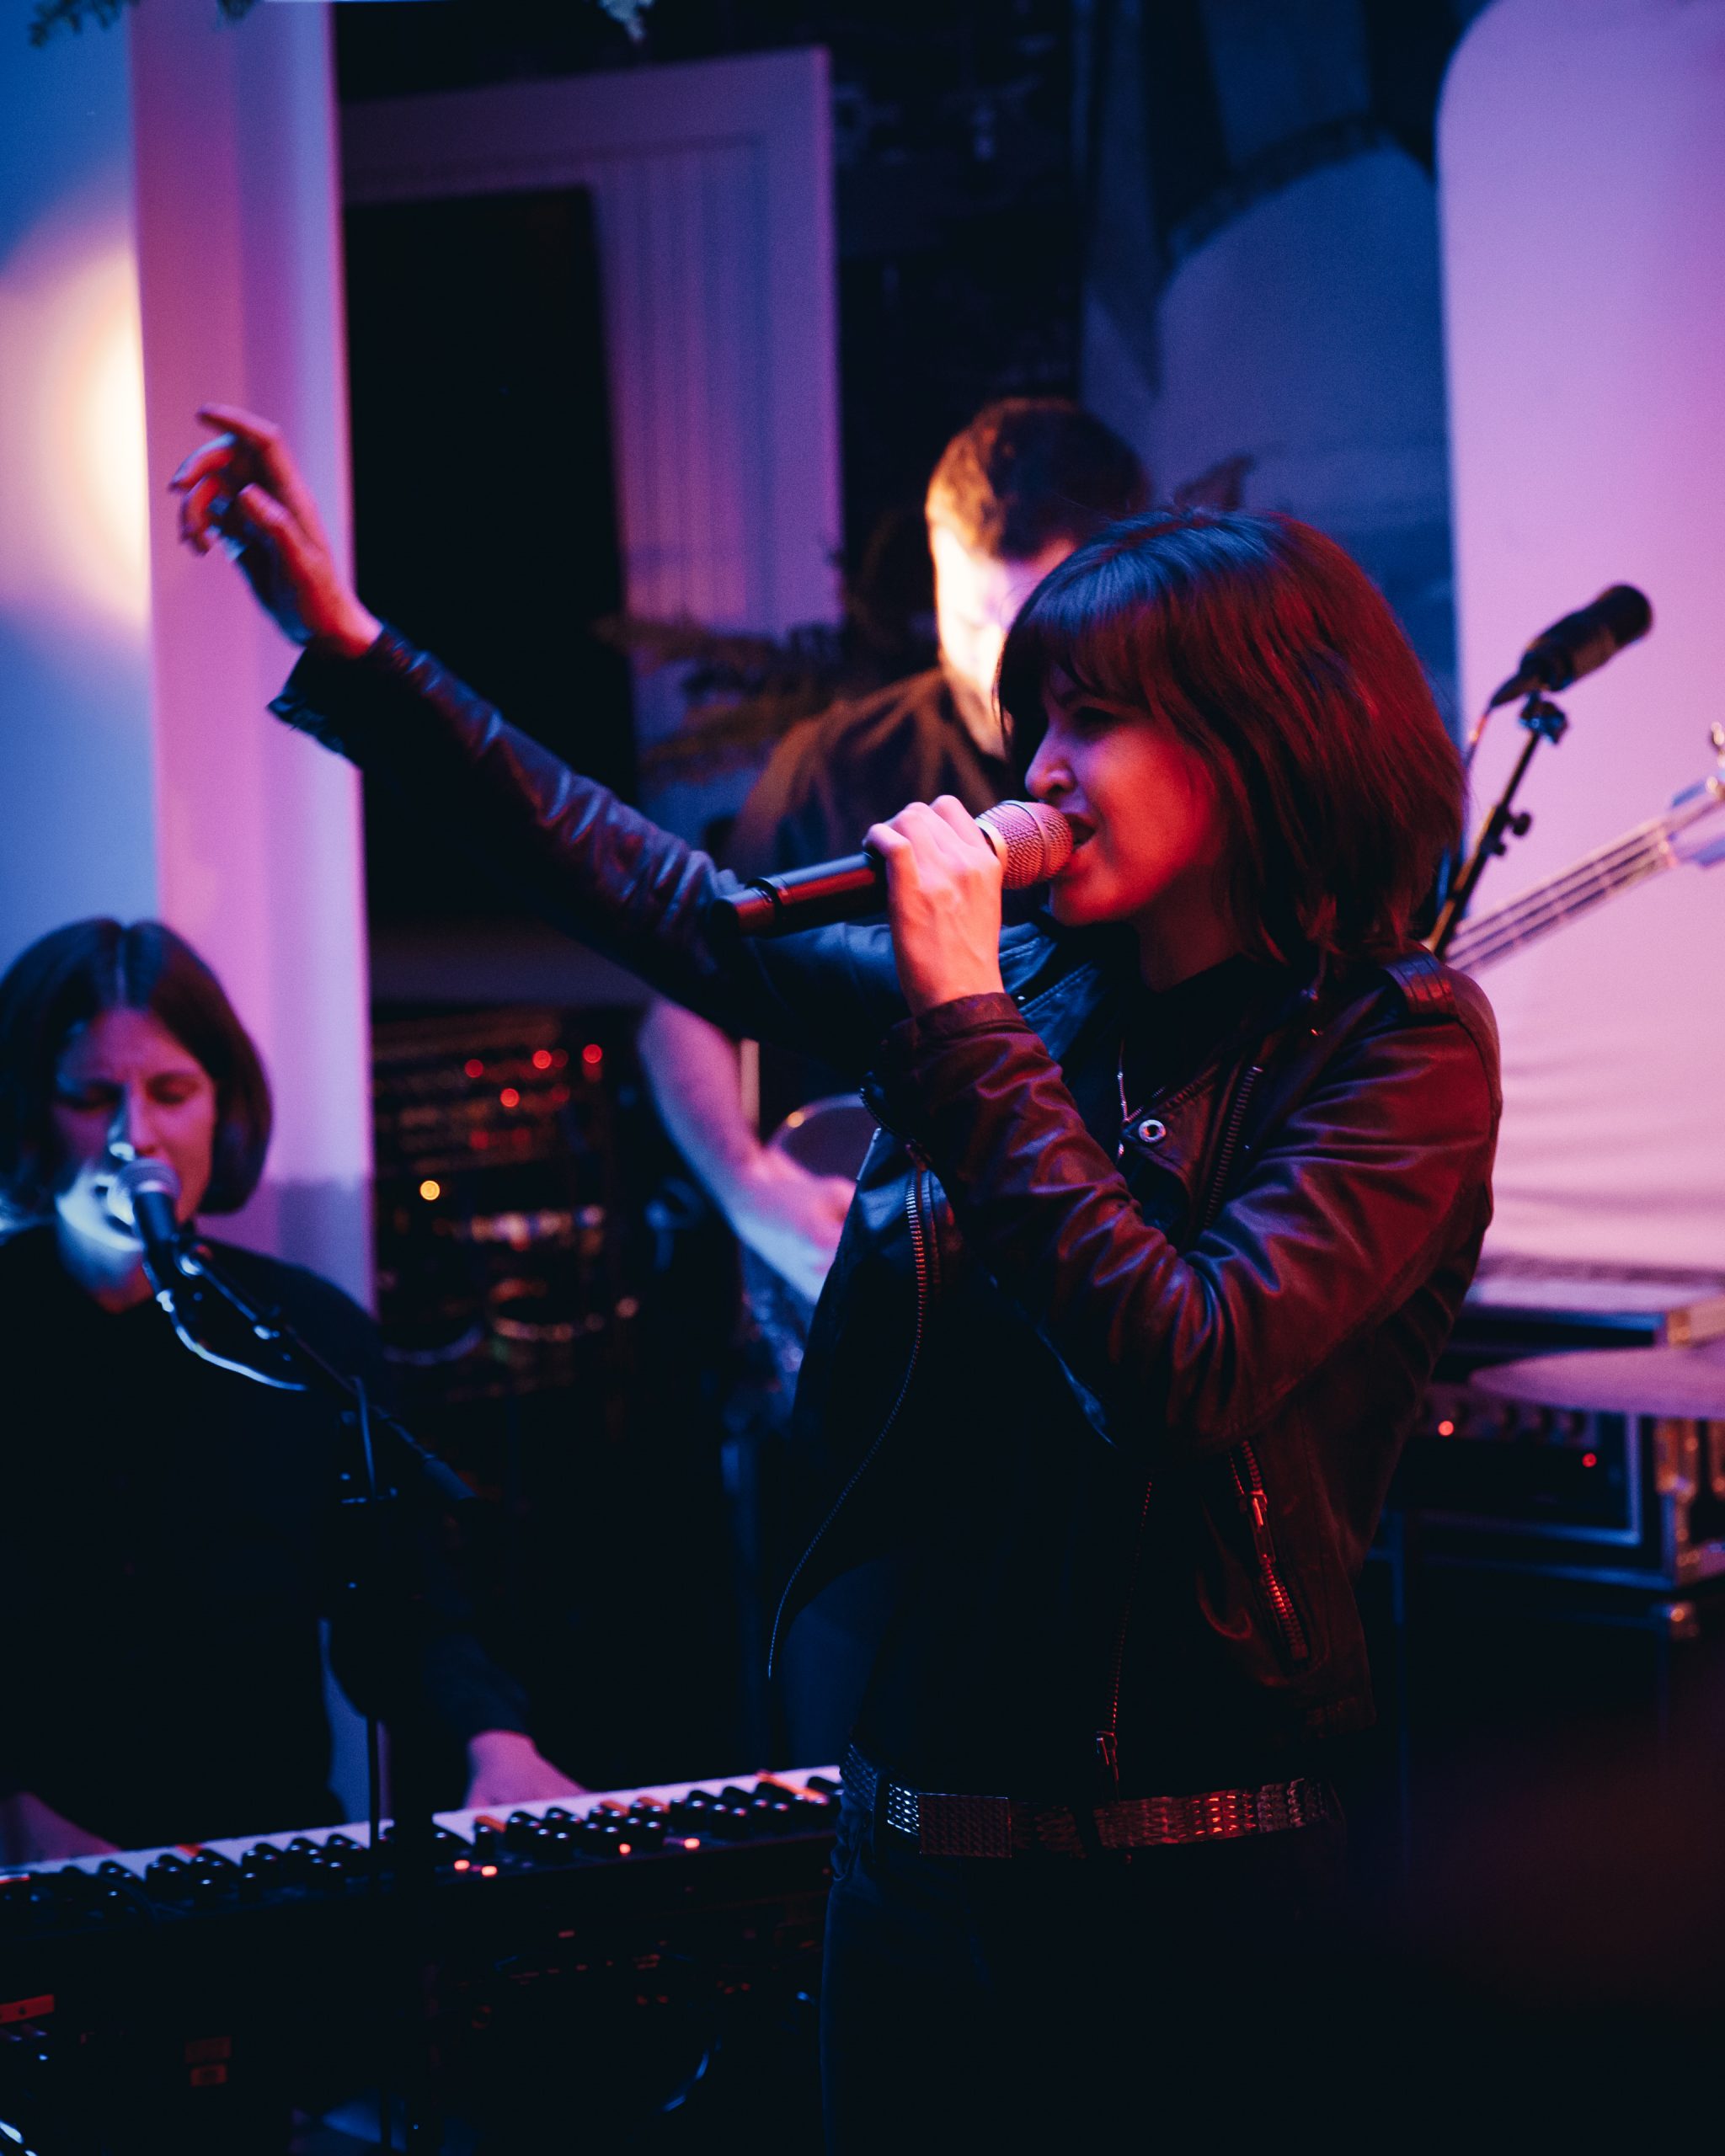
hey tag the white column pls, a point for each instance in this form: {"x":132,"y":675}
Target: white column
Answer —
{"x":76,"y":762}
{"x":238,"y":196}
{"x":1582,"y":163}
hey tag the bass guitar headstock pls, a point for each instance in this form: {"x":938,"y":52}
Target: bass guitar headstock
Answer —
{"x":1695,"y":824}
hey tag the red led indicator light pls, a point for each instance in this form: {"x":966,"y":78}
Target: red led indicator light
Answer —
{"x":1446,"y":1429}
{"x":463,"y":1864}
{"x":542,"y":1059}
{"x":592,"y":1055}
{"x":488,"y":1871}
{"x":509,"y":1098}
{"x":1589,"y":1460}
{"x":692,"y":1841}
{"x":472,"y":1068}
{"x":625,"y":1849}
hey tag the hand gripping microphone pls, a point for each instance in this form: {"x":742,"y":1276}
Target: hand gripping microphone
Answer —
{"x":1580,"y":643}
{"x":1033,"y":842}
{"x":144,"y":1195}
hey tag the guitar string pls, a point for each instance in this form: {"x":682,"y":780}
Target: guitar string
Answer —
{"x":1655,"y":833}
{"x":1524,"y":920}
{"x":1550,"y":911}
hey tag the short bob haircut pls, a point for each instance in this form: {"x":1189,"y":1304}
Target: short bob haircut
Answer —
{"x":68,"y":978}
{"x":1274,"y":658}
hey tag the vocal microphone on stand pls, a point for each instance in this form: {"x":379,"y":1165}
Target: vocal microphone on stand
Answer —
{"x":1033,"y":840}
{"x":1573,"y":647}
{"x":144,"y":1196}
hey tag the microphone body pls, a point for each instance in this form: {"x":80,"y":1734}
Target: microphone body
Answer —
{"x":1578,"y":644}
{"x":145,"y":1196}
{"x":1033,"y":842}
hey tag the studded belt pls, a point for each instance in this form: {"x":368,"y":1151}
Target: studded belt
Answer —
{"x":941,"y":1823}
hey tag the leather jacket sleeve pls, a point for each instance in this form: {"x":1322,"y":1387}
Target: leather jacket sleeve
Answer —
{"x":1340,"y":1212}
{"x":582,"y":860}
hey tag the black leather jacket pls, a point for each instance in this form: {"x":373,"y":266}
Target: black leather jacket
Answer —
{"x":1183,"y":1378}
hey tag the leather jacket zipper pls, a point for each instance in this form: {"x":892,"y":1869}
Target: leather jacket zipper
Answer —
{"x":1107,"y":1738}
{"x":920,"y":1256}
{"x":1231,"y":1145}
{"x":1254,"y":1502}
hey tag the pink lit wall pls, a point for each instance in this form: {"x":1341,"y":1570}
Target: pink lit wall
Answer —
{"x":76,"y":749}
{"x":258,"y":842}
{"x":1582,"y":175}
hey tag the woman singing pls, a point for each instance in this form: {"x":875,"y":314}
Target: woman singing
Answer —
{"x":1177,"y":1188}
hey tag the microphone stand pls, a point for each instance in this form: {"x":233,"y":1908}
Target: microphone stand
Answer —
{"x":1544,"y":722}
{"x":301,"y":1369}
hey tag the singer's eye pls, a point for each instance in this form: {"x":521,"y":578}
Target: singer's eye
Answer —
{"x":88,"y":1099}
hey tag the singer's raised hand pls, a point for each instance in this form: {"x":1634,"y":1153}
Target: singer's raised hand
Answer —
{"x":244,"y":490}
{"x":943,"y":901}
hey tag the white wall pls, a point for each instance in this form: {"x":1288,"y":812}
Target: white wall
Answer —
{"x":75,"y":721}
{"x":1582,"y":163}
{"x":259,"y":838}
{"x":169,"y":234}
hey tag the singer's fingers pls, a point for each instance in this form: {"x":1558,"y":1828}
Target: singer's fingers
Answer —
{"x":272,"y":458}
{"x":888,"y":840}
{"x":234,"y":419}
{"x":917,"y":822}
{"x":211,"y":456}
{"x":256,"y":512}
{"x":958,"y":819}
{"x":201,"y":508}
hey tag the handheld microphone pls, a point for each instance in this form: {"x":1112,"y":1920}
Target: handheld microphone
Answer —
{"x":1579,"y":643}
{"x":145,"y":1196}
{"x":1033,"y":842}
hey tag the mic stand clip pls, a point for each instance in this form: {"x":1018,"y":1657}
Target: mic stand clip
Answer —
{"x":1544,"y":722}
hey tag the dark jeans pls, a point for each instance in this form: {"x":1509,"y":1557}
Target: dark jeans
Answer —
{"x":1035,"y":2002}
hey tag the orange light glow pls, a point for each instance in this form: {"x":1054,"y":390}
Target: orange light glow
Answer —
{"x":592,"y":1055}
{"x":542,"y":1059}
{"x":463,"y":1864}
{"x":626,"y":1849}
{"x":509,"y":1098}
{"x":692,"y":1841}
{"x":488,"y":1871}
{"x":1446,"y":1429}
{"x":430,"y":1189}
{"x":75,"y":547}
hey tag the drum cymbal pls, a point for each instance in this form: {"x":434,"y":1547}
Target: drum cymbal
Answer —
{"x":1688,"y":1383}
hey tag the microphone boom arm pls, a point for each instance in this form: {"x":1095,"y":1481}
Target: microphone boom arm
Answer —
{"x":312,"y":1373}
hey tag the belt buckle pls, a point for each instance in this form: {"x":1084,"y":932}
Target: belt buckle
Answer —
{"x":963,"y":1826}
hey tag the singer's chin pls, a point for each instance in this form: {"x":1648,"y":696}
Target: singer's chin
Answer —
{"x":1067,"y":906}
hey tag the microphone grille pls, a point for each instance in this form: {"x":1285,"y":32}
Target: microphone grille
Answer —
{"x":137,"y":1179}
{"x":1033,"y":841}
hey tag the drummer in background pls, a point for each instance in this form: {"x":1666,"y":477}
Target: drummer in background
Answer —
{"x":1029,"y":479}
{"x":166,"y":1540}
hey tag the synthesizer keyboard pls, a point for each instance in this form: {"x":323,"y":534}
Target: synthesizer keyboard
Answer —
{"x":675,"y":1822}
{"x":188,"y":1998}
